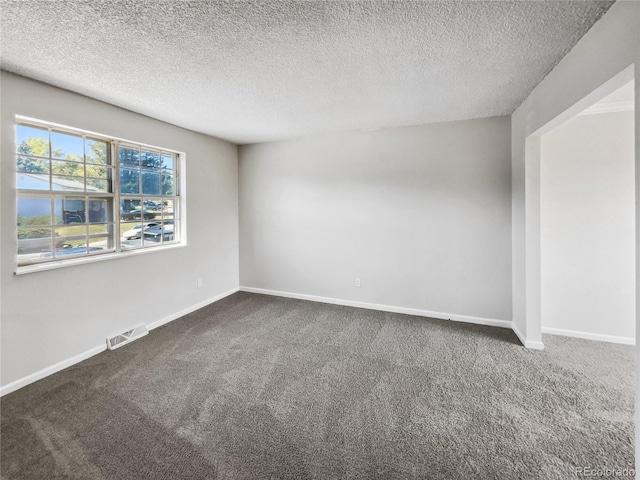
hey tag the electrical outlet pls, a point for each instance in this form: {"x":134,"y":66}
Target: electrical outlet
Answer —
{"x":357,"y":282}
{"x":199,"y":283}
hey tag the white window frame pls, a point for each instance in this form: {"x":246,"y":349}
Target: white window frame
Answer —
{"x":180,"y":211}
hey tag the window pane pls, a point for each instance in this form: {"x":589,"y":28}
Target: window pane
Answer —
{"x":96,"y":151}
{"x":68,"y":169}
{"x":150,"y":183}
{"x":32,"y":165}
{"x":31,"y":181}
{"x":99,"y":178}
{"x":66,"y":146}
{"x":104,"y":229}
{"x":131,"y":235}
{"x":96,"y":185}
{"x":67,"y":184}
{"x":32,"y":141}
{"x":69,"y":250}
{"x":129,"y":181}
{"x":150,"y":160}
{"x":167,"y":162}
{"x":34,"y":240}
{"x":101,"y":237}
{"x":34,"y":211}
{"x":168,"y":229}
{"x":131,"y":231}
{"x":73,"y":235}
{"x":129,"y":156}
{"x":71,"y":241}
{"x":130,"y":209}
{"x":69,"y":210}
{"x":100,"y":244}
{"x":153,"y":205}
{"x":167,"y":209}
{"x":152,"y":237}
{"x":96,"y":171}
{"x":168,"y":182}
{"x":131,"y":244}
{"x":100,"y":211}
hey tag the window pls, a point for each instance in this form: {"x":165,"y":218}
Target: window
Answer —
{"x":81,"y":194}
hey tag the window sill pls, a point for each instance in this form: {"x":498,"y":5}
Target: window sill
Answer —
{"x":40,"y":267}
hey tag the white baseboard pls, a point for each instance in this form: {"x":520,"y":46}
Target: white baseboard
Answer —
{"x":45,"y":372}
{"x":589,"y":336}
{"x":384,"y":308}
{"x":533,"y":345}
{"x":188,"y":310}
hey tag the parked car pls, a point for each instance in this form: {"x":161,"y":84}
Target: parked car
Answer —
{"x":160,"y":232}
{"x":167,"y":226}
{"x":136,"y":231}
{"x":135,"y":213}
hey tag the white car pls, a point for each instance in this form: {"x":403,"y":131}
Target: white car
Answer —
{"x":136,"y":231}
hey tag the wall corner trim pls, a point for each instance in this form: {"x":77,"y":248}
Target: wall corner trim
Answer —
{"x":492,"y":322}
{"x":527,"y":343}
{"x":45,"y":372}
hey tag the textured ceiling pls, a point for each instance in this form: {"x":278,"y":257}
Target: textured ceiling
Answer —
{"x":259,"y":71}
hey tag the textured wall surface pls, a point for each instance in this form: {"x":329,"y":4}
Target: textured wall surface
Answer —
{"x":51,"y":316}
{"x":420,"y":214}
{"x":259,"y":71}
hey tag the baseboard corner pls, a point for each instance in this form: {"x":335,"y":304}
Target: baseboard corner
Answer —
{"x":530,"y":344}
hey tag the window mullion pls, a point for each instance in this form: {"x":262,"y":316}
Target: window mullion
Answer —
{"x":115,"y":187}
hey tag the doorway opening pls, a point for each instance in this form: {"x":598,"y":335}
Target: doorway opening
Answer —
{"x":587,"y":223}
{"x":533,"y":157}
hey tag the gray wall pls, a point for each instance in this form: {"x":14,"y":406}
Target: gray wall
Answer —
{"x":421,"y":214}
{"x":587,"y":227}
{"x":51,"y":316}
{"x":608,"y":48}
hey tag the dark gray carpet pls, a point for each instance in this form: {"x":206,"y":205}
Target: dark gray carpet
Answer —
{"x":257,"y":387}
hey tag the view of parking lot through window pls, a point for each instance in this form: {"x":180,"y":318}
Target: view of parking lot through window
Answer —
{"x":81,"y":195}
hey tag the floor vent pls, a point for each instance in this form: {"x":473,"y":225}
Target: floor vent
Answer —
{"x":127,"y":337}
